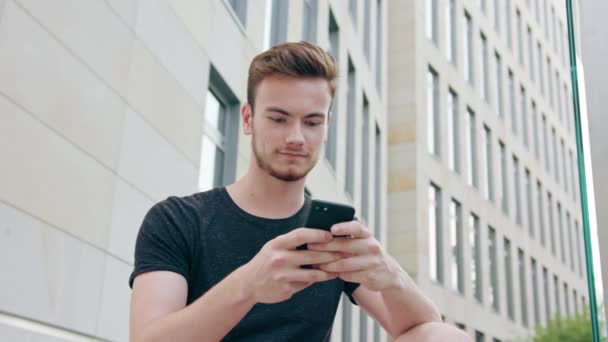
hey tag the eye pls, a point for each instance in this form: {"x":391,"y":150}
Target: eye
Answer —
{"x":277,"y":119}
{"x":313,"y":123}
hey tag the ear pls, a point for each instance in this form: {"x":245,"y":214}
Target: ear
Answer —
{"x":247,"y":116}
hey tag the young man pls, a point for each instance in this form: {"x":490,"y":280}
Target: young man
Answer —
{"x":223,"y":264}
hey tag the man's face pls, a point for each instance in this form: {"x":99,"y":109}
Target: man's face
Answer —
{"x":289,"y":125}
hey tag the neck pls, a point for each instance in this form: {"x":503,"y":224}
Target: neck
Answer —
{"x":261,"y":194}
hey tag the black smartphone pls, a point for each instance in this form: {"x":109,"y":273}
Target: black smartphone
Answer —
{"x":324,"y":214}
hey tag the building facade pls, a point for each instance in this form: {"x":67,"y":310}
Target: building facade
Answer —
{"x":109,"y":106}
{"x":484,"y":207}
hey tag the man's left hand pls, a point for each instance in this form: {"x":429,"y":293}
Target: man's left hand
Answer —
{"x":365,"y":261}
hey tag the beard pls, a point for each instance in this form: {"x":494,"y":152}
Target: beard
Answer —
{"x":293,"y":172}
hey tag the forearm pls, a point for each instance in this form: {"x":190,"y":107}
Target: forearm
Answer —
{"x":209,"y":318}
{"x":407,"y":305}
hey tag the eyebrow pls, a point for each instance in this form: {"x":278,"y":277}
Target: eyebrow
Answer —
{"x":286,"y":113}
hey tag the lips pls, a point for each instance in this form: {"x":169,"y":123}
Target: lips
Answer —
{"x":293,"y":155}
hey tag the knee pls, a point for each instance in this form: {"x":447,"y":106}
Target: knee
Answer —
{"x":434,"y":332}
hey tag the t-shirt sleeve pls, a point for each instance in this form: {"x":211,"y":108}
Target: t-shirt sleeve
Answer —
{"x":164,"y":241}
{"x":349,"y":288}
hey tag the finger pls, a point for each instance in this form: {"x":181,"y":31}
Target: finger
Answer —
{"x":307,"y":257}
{"x":355,"y":277}
{"x":351,"y":246}
{"x":307,"y":276}
{"x":300,"y":237}
{"x":352,"y":228}
{"x":352,"y":264}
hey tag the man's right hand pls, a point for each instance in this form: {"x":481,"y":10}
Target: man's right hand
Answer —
{"x":274,"y":274}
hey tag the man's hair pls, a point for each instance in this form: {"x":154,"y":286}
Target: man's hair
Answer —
{"x":301,"y":59}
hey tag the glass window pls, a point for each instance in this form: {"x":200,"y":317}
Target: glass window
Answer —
{"x":362,"y":326}
{"x":354,"y":15}
{"x":495,"y":3}
{"x":350,"y":132}
{"x":566,"y":300}
{"x":453,"y":131}
{"x":483,"y":79}
{"x":240,"y":9}
{"x":563,"y":160}
{"x":494,"y":299}
{"x":469,"y":63}
{"x":365,"y":174}
{"x":379,"y":45}
{"x":520,"y":43}
{"x":431,"y":20}
{"x":529,"y":203}
{"x":547,"y":293}
{"x":535,"y":299}
{"x":508,"y":28}
{"x":456,"y":261}
{"x":451,"y":34}
{"x":500,"y":100}
{"x":560,"y":227}
{"x":367,"y":28}
{"x":556,"y":290}
{"x":509,"y":278}
{"x":276,"y":21}
{"x":551,"y":222}
{"x":545,"y":129}
{"x":517,"y":185}
{"x":433,"y":124}
{"x":435,"y":234}
{"x":580,"y":249}
{"x":531,"y":55}
{"x":504,"y":194}
{"x":541,"y":76}
{"x":574,"y":178}
{"x":479,"y":336}
{"x":476,"y":269}
{"x":535,"y":131}
{"x":334,"y":50}
{"x":523,"y":292}
{"x":471,"y":143}
{"x":541,"y":215}
{"x":570,"y":239}
{"x":550,"y":82}
{"x":524,"y":115}
{"x":554,"y":148}
{"x":487,"y":163}
{"x":309,"y":22}
{"x":213,"y":147}
{"x":513,"y":105}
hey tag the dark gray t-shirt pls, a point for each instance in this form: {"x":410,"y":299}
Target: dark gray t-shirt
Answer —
{"x":206,"y":236}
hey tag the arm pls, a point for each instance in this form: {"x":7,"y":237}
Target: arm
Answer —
{"x":399,"y":308}
{"x":159,"y":311}
{"x":158,"y":305}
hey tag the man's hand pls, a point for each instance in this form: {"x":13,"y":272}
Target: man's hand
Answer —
{"x":274,"y":274}
{"x":364,"y":262}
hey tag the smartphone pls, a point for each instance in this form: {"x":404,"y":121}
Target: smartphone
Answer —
{"x":324,"y":214}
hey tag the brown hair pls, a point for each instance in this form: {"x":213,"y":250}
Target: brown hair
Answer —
{"x":301,"y":59}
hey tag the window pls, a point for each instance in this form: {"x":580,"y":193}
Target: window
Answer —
{"x":560,"y":110}
{"x":524,"y":116}
{"x":575,"y":302}
{"x":483,"y":79}
{"x":517,"y":185}
{"x":549,"y":82}
{"x":220,"y":138}
{"x":547,"y":294}
{"x":553,"y":27}
{"x":523,"y":293}
{"x":451,"y":34}
{"x":551,"y":225}
{"x":560,"y":226}
{"x":535,"y":299}
{"x":556,"y":290}
{"x":535,"y":131}
{"x":276,"y":22}
{"x":487,"y":164}
{"x":579,"y":251}
{"x":541,"y":216}
{"x":469,"y":74}
{"x":471,"y":144}
{"x":456,"y":262}
{"x":479,"y":336}
{"x":334,"y":50}
{"x":509,"y":278}
{"x":309,"y":22}
{"x":496,"y":16}
{"x":379,"y":36}
{"x":555,"y":160}
{"x":504,"y":194}
{"x":562,"y":46}
{"x":367,"y":28}
{"x":494,"y":300}
{"x":347,"y":318}
{"x":476,"y":269}
{"x":513,"y":106}
{"x":574,"y":178}
{"x":570,"y":239}
{"x":350,"y":135}
{"x":546,"y":144}
{"x":529,"y":203}
{"x":566,"y":301}
{"x":520,"y":43}
{"x":546,"y":19}
{"x":453,"y":131}
{"x":563,"y":160}
{"x":362,"y":326}
{"x":365,"y":176}
{"x":378,"y":188}
{"x":483,"y":6}
{"x":508,"y":24}
{"x":531,"y":55}
{"x":500,"y":100}
{"x":541,"y":76}
{"x":240,"y":9}
{"x":354,"y":15}
{"x":567,"y":108}
{"x":435,"y":235}
{"x":433,"y":124}
{"x":431,"y":20}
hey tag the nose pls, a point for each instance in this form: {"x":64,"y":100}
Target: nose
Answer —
{"x":295,"y":136}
